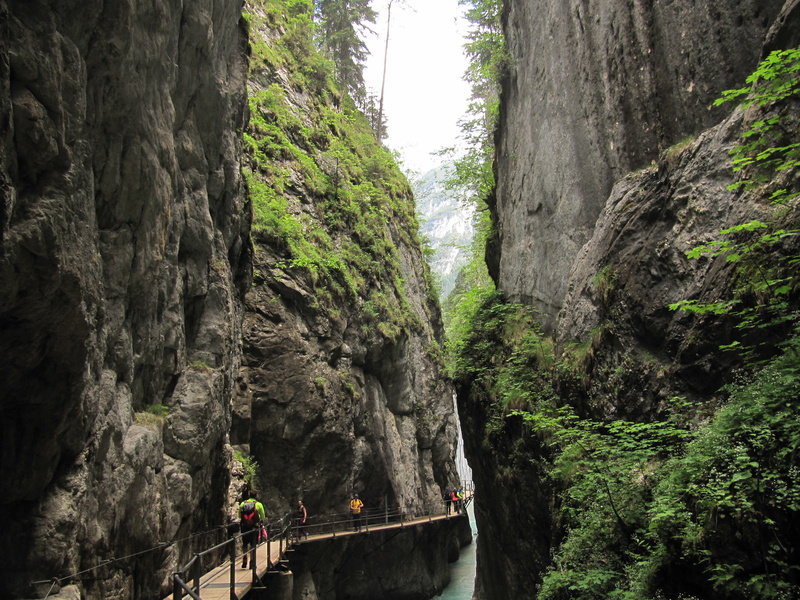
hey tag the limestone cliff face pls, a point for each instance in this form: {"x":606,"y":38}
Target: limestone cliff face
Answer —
{"x":329,"y":410}
{"x":595,"y":90}
{"x":123,"y":261}
{"x":600,"y":251}
{"x":642,"y":353}
{"x":341,"y":389}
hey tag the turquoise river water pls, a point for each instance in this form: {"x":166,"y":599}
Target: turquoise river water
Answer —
{"x":462,"y":572}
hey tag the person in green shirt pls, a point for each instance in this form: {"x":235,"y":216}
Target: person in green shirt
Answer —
{"x":251,"y":515}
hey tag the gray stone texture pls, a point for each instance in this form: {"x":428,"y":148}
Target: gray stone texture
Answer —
{"x":326,"y":404}
{"x":595,"y":89}
{"x":123,"y":255}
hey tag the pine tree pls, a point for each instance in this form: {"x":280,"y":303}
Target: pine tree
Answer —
{"x":342,"y":25}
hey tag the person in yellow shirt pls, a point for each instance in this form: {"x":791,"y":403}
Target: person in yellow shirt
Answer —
{"x":355,"y":512}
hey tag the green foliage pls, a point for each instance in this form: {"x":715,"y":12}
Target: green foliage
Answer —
{"x":709,"y":492}
{"x":642,"y":497}
{"x":250,"y":466}
{"x":342,"y":26}
{"x":767,"y":144}
{"x":737,"y":484}
{"x":488,"y":58}
{"x":159,"y":410}
{"x":504,"y":350}
{"x":766,"y":277}
{"x":324,"y":192}
{"x":473,"y":169}
{"x":604,"y":283}
{"x":153,"y":417}
{"x":607,"y":471}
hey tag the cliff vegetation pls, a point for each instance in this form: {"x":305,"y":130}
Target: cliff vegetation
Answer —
{"x":341,"y":389}
{"x":649,"y":452}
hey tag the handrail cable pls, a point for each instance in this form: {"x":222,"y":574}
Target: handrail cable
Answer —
{"x":110,"y":561}
{"x":287,"y":525}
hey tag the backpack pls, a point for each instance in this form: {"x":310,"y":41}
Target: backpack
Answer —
{"x":249,"y":514}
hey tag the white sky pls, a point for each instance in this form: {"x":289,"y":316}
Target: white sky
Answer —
{"x":425,"y":95}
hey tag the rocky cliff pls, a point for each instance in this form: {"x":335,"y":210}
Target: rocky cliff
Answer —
{"x":125,"y":255}
{"x":595,"y":90}
{"x":341,"y":389}
{"x":127,"y":276}
{"x":601,"y":253}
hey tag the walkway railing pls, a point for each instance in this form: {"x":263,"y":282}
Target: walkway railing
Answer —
{"x":331,"y":525}
{"x":188,"y":579}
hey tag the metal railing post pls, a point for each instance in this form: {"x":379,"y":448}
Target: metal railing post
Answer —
{"x":254,"y":559}
{"x":176,"y":587}
{"x":196,"y":574}
{"x":232,"y":554}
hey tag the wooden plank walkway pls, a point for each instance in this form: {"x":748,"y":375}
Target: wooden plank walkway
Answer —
{"x":215,"y":585}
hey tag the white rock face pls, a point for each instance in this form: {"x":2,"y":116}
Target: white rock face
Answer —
{"x":446,"y":222}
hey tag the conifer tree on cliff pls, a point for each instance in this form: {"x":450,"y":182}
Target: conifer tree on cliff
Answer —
{"x":341,"y":25}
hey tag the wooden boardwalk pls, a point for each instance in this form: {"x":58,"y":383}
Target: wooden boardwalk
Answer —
{"x":216,"y":584}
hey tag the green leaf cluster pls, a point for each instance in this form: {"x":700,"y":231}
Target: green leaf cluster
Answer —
{"x":693,"y":502}
{"x":768,"y":144}
{"x":764,"y":302}
{"x":474,"y":172}
{"x":324,"y":192}
{"x":504,"y":353}
{"x":488,"y":60}
{"x":250,"y":466}
{"x":342,"y":25}
{"x":639,"y":500}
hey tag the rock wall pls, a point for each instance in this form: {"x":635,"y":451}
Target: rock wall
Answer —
{"x":643,"y":355}
{"x":342,"y":388}
{"x":600,"y":251}
{"x":327,"y":411}
{"x":123,"y":261}
{"x":595,"y":89}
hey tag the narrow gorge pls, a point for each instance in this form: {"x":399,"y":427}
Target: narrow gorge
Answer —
{"x":208,"y":262}
{"x":212,"y":278}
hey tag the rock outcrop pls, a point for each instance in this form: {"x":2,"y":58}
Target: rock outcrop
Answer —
{"x":124,"y":258}
{"x":595,"y":90}
{"x":341,"y":389}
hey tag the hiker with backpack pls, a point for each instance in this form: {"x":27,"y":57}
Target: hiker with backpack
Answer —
{"x":355,"y":512}
{"x":251,"y":515}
